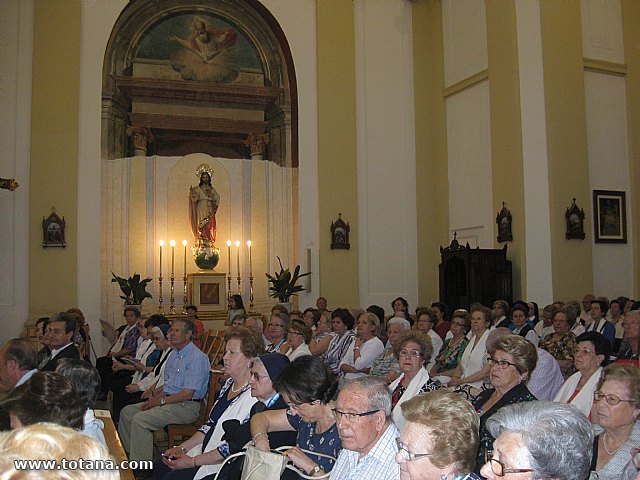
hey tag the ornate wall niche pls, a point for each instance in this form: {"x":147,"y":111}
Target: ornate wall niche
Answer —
{"x":202,"y":76}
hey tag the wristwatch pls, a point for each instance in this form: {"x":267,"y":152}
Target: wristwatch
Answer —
{"x":314,"y":470}
{"x":163,"y":400}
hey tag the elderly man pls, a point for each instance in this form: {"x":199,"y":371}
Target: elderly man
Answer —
{"x":186,"y":378}
{"x":59,"y":338}
{"x":363,"y":411}
{"x":539,"y":440}
{"x":18,"y":361}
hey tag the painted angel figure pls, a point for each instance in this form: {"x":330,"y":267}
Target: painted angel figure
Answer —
{"x":205,"y":42}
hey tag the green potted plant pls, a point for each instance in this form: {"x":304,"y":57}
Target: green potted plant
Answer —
{"x":134,"y":289}
{"x":284,"y":283}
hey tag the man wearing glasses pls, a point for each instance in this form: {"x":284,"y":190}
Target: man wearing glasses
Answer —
{"x":539,"y":440}
{"x":363,"y":411}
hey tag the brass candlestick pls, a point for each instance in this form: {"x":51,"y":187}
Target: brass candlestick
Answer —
{"x":160,"y":306}
{"x":184,"y":306}
{"x":229,"y":288}
{"x":238,"y":282}
{"x":251,"y":292}
{"x":172,"y":305}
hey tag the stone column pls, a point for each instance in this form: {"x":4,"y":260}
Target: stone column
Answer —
{"x":141,"y":136}
{"x":257,"y":144}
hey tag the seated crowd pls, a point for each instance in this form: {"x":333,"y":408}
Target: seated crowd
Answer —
{"x":439,"y":394}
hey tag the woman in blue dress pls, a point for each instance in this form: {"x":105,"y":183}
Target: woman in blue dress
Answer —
{"x":309,"y":389}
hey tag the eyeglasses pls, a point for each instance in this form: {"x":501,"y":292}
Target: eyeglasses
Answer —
{"x":584,"y":351}
{"x":275,"y":325}
{"x":256,"y":376}
{"x":499,"y":469}
{"x":351,"y":417}
{"x":296,"y":406}
{"x":409,"y":353}
{"x":610,"y":398}
{"x":406,"y":455}
{"x":293,"y":332}
{"x":502,"y":364}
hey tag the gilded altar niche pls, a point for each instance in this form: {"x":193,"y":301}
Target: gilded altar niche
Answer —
{"x":210,"y":77}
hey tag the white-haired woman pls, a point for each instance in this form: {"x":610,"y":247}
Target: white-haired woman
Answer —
{"x":364,"y":349}
{"x":386,"y":365}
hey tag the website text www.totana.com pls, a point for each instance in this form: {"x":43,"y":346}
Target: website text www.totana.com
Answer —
{"x":81,"y":464}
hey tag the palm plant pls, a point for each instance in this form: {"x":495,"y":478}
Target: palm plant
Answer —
{"x":284,"y":283}
{"x":134,"y":289}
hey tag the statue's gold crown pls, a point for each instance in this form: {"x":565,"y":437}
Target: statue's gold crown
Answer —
{"x":204,"y":168}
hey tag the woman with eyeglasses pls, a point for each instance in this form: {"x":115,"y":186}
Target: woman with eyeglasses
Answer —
{"x":386,"y":366}
{"x":453,"y":348}
{"x":617,"y":406}
{"x":309,"y":388}
{"x":202,"y":454}
{"x":562,"y":342}
{"x":277,"y":329}
{"x":592,"y":350}
{"x":413,"y":351}
{"x":439,"y":440}
{"x":512,"y":362}
{"x":266,"y":369}
{"x":298,"y":340}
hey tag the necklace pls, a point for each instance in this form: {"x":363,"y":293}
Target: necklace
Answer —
{"x":604,"y":444}
{"x":233,"y":390}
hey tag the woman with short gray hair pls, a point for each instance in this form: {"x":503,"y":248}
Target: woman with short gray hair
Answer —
{"x":548,"y":440}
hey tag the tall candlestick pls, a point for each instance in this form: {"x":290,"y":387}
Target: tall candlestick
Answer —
{"x":161,"y":242}
{"x":160,"y":306}
{"x":184,"y":244}
{"x":238,"y":256}
{"x":250,"y":263}
{"x":173,"y":245}
{"x":229,"y":256}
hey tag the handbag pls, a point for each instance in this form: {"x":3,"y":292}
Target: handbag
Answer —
{"x":262,"y":465}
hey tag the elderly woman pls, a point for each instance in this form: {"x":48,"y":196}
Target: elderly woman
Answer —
{"x":322,"y":336}
{"x":519,"y":317}
{"x":311,"y":316}
{"x":470,"y":370}
{"x":425,"y":321}
{"x":386,"y":365}
{"x":617,"y":406}
{"x":364,"y":349}
{"x":511,"y":365}
{"x":298,"y":339}
{"x":203,"y":453}
{"x":629,"y":348}
{"x":592,"y":350}
{"x":141,"y":385}
{"x":265,"y":371}
{"x":413,"y":350}
{"x":439,"y":439}
{"x":453,"y":348}
{"x":539,"y":440}
{"x":562,"y":342}
{"x":342,"y":323}
{"x":277,"y":329}
{"x":309,"y":388}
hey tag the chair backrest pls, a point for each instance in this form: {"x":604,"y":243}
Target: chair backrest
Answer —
{"x":215,"y":384}
{"x":205,"y":342}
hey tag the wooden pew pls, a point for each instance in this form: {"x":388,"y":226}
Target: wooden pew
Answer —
{"x":113,"y":442}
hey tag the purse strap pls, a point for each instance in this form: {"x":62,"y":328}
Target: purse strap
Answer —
{"x":309,"y":452}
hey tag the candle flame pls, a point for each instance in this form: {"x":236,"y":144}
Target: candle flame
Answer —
{"x":249,"y":243}
{"x":161,"y":242}
{"x":228,"y":243}
{"x":184,"y":243}
{"x":172,"y":243}
{"x":237,"y":243}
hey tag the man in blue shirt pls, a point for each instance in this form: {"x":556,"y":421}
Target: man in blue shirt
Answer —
{"x":186,"y":379}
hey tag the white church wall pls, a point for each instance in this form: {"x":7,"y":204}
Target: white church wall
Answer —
{"x":16,"y":41}
{"x":385,"y":129}
{"x":609,"y":170}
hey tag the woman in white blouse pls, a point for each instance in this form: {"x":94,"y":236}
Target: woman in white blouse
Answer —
{"x":298,"y":338}
{"x":472,"y":368}
{"x":364,"y":348}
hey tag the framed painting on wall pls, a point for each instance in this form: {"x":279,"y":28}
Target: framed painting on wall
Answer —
{"x":609,"y":216}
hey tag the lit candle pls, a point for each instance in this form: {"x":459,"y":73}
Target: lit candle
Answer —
{"x":229,"y":256}
{"x":173,"y":245}
{"x":238,"y":255}
{"x":250,"y":264}
{"x":161,"y":244}
{"x":184,"y":244}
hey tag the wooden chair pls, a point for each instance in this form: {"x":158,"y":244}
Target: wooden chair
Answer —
{"x":216,"y":350}
{"x":176,"y":431}
{"x":115,"y":445}
{"x":205,"y":342}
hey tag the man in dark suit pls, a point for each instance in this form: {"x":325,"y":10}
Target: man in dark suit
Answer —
{"x":59,"y":338}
